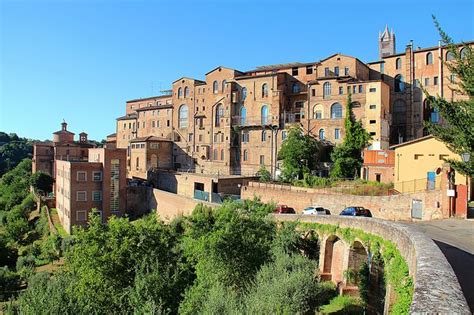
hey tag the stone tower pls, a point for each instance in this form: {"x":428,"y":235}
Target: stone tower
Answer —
{"x":386,"y":43}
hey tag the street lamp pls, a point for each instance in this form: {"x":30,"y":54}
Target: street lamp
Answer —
{"x":465,"y":157}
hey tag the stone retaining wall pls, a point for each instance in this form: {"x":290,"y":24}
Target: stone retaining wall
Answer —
{"x":436,"y":288}
{"x":395,"y":207}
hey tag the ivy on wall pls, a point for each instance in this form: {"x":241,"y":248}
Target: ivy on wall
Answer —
{"x":395,"y":267}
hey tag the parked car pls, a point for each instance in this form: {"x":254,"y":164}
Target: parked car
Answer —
{"x":315,"y":210}
{"x":284,"y":209}
{"x":357,"y":212}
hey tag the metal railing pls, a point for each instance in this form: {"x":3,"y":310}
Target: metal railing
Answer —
{"x":251,"y":121}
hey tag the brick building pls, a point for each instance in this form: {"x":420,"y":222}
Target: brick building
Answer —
{"x":233,"y":122}
{"x":63,"y":147}
{"x":99,"y":182}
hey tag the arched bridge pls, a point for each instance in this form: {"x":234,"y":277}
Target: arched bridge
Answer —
{"x":436,"y":289}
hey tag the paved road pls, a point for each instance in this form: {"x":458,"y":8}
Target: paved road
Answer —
{"x":455,"y":238}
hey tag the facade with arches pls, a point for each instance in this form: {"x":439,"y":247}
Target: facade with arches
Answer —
{"x":245,"y":115}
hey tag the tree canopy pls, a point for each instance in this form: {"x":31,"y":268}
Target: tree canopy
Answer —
{"x":347,"y":157}
{"x":13,"y":150}
{"x":300,"y":154}
{"x":456,"y":129}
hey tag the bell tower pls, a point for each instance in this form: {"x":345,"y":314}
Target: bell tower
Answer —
{"x":386,"y":43}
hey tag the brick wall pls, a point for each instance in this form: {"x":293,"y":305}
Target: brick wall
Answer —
{"x":396,"y":207}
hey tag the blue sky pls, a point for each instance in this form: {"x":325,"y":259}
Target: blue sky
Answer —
{"x":81,"y":60}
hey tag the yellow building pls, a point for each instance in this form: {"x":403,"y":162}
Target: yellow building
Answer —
{"x":418,"y":164}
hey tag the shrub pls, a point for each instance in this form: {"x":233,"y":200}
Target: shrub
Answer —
{"x":343,"y":304}
{"x":9,"y":280}
{"x":264,"y":174}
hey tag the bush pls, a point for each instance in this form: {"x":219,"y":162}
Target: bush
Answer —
{"x":287,"y":285}
{"x":264,"y":174}
{"x":9,"y":280}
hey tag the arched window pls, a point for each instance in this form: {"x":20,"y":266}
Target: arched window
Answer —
{"x":398,"y":112}
{"x":223,"y":85}
{"x":186,"y":92}
{"x":243,"y":116}
{"x":295,"y":88}
{"x":246,"y":155}
{"x":336,"y":111}
{"x":463,"y":53}
{"x":326,"y":90}
{"x":264,"y":135}
{"x":399,"y":84}
{"x":264,"y":90}
{"x":219,"y":114}
{"x":264,"y":114}
{"x":322,"y":134}
{"x":244,"y":93}
{"x":222,"y":154}
{"x":183,"y":116}
{"x":450,"y":56}
{"x":318,"y":112}
{"x":398,"y":63}
{"x":214,"y":155}
{"x":429,"y":58}
{"x":215,"y":87}
{"x":180,"y":93}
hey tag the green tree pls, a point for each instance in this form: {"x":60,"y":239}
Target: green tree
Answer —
{"x":13,"y":150}
{"x":300,"y":154}
{"x":14,"y":185}
{"x":456,"y":128}
{"x":41,"y":182}
{"x":264,"y":174}
{"x":346,"y":157}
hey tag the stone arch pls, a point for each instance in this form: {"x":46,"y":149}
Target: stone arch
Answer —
{"x":356,"y":259}
{"x":333,"y":259}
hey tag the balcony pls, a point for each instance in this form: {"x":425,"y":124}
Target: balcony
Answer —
{"x":292,"y":117}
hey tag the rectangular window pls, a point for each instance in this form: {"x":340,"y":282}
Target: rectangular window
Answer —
{"x":418,"y":156}
{"x":326,"y":72}
{"x":262,"y":160}
{"x":245,"y":137}
{"x":313,"y":92}
{"x":125,"y":126}
{"x":435,"y":81}
{"x":372,"y":106}
{"x":361,"y":89}
{"x":309,"y":69}
{"x":348,"y":90}
{"x":81,"y":215}
{"x":81,"y":196}
{"x":299,"y":104}
{"x":452,"y":78}
{"x":168,"y":123}
{"x":372,"y":122}
{"x":97,"y":176}
{"x":372,"y":90}
{"x":336,"y":71}
{"x":341,"y":90}
{"x":427,"y":81}
{"x":158,"y":124}
{"x":294,"y":71}
{"x":114,"y":185}
{"x":354,"y":89}
{"x":153,"y":124}
{"x":337,"y":133}
{"x":97,"y":195}
{"x":372,"y":133}
{"x":417,"y":83}
{"x":346,"y":70}
{"x":382,"y":68}
{"x":190,"y":137}
{"x":81,"y":176}
{"x":200,"y":138}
